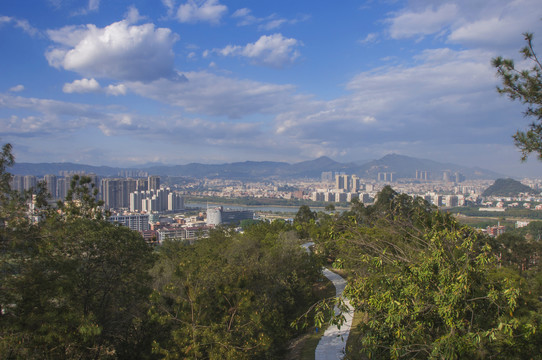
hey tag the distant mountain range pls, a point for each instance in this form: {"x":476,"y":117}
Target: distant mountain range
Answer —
{"x":401,"y":166}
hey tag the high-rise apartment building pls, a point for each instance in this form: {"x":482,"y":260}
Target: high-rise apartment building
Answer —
{"x":30,"y":182}
{"x":116,"y":192}
{"x":154,"y":182}
{"x":50,"y":183}
{"x":17,"y":183}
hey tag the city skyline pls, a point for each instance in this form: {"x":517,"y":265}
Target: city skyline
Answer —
{"x":128,"y":83}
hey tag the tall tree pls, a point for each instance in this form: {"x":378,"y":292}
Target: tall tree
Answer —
{"x":73,"y":285}
{"x":524,"y":85}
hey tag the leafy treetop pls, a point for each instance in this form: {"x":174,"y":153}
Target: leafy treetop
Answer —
{"x":526,"y":86}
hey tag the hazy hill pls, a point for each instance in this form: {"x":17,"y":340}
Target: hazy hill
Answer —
{"x":401,"y":166}
{"x":507,"y":187}
{"x":406,"y":166}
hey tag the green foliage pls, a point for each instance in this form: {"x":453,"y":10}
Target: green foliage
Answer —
{"x":443,"y":305}
{"x":81,"y":200}
{"x":79,"y":290}
{"x":525,"y":86}
{"x":515,"y":250}
{"x":429,"y":287}
{"x":246,"y":223}
{"x":304,"y":220}
{"x":72,"y":285}
{"x":232,"y":296}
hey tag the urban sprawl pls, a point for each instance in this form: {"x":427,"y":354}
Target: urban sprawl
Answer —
{"x":155,"y":206}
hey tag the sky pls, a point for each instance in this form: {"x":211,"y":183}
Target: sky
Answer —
{"x":126,"y":83}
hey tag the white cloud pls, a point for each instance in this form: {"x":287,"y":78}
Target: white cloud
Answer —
{"x":93,"y":6}
{"x":119,"y":51}
{"x":202,"y":11}
{"x":133,"y":16}
{"x":45,"y":116}
{"x":273,"y":51}
{"x":272,"y":24}
{"x":245,"y":18}
{"x":426,"y":22}
{"x":170,"y":6}
{"x":116,"y":90}
{"x":239,"y":13}
{"x":213,"y":95}
{"x":92,"y":86}
{"x":429,"y":105}
{"x":22,"y":24}
{"x":493,"y":24}
{"x":82,"y":86}
{"x":17,"y":88}
{"x":369,"y":39}
{"x":499,"y":30}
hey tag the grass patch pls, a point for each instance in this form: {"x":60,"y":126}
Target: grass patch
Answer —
{"x":353,"y":344}
{"x":304,"y":346}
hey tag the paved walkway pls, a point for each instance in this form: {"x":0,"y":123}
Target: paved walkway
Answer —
{"x":332,"y":344}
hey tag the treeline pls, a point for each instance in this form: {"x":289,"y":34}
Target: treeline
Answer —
{"x":251,"y":201}
{"x":74,"y":286}
{"x":509,"y":212}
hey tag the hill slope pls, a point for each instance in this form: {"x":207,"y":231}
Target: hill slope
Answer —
{"x":507,"y":187}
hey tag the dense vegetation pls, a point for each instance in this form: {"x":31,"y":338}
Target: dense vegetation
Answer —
{"x":430,"y":288}
{"x":507,"y":187}
{"x":508,"y":213}
{"x":75,"y":286}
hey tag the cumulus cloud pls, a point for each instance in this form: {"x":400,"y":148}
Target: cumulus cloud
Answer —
{"x":201,"y":11}
{"x":118,"y":51}
{"x":82,"y":86}
{"x":115,"y":90}
{"x":92,"y":86}
{"x":274,"y":51}
{"x":17,"y":88}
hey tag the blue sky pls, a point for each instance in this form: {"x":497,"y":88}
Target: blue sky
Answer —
{"x":124,"y":83}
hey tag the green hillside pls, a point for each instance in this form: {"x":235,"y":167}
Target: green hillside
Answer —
{"x":507,"y":187}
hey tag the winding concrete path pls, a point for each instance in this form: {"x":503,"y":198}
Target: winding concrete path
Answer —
{"x":333,"y":343}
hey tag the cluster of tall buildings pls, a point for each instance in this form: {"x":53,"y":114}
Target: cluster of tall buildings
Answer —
{"x":348,"y":183}
{"x":56,"y":186}
{"x":155,"y":200}
{"x":137,"y":195}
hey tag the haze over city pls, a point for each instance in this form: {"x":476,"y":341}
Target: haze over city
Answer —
{"x":123,"y":83}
